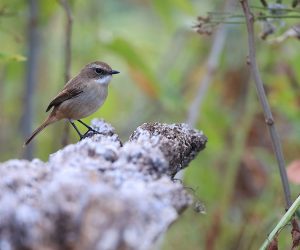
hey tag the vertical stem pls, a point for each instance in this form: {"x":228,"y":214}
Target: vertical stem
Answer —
{"x":31,"y":75}
{"x":68,"y":54}
{"x":68,"y":37}
{"x":264,"y":103}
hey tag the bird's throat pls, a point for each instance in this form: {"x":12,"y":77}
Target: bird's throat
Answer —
{"x":104,"y":80}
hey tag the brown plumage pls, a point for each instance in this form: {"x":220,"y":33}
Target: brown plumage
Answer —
{"x":81,"y":96}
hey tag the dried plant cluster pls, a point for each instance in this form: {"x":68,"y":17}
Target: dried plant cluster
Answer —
{"x":271,"y":16}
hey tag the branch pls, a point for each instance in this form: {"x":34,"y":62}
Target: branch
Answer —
{"x":264,"y":102}
{"x":98,"y":194}
{"x":68,"y":54}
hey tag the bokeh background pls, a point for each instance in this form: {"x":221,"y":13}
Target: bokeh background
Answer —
{"x":163,"y":62}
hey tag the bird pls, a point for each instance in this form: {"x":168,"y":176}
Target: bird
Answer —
{"x":81,"y":96}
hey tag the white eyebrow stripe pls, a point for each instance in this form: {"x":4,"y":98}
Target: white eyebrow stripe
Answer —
{"x":94,"y":66}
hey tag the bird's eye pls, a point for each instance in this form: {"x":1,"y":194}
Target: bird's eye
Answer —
{"x":99,"y":71}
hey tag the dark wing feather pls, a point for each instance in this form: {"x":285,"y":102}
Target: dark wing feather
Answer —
{"x":66,"y":94}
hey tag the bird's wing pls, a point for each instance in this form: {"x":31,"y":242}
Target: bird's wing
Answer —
{"x":64,"y":95}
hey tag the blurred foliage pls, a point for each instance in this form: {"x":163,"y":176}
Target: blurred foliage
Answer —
{"x":162,"y":60}
{"x":17,"y":58}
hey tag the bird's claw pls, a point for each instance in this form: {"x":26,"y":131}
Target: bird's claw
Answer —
{"x":91,"y":132}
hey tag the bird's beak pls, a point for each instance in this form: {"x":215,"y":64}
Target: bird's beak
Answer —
{"x":113,"y":72}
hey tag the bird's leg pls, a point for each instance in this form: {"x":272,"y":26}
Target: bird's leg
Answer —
{"x":77,"y":130}
{"x":89,"y":128}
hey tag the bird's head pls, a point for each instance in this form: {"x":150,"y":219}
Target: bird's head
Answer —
{"x":98,"y":71}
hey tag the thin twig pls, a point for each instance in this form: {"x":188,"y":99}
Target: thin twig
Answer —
{"x":211,"y":65}
{"x":279,"y":17}
{"x":68,"y":54}
{"x":239,"y":19}
{"x":264,"y":102}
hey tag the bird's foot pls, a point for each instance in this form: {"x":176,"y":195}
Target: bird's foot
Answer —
{"x":90,"y":129}
{"x":91,"y":132}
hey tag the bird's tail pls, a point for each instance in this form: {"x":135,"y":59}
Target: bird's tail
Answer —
{"x":47,"y":122}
